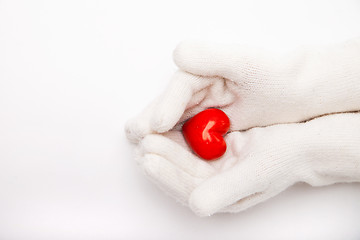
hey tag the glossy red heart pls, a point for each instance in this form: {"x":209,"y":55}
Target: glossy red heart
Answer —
{"x":204,"y":133}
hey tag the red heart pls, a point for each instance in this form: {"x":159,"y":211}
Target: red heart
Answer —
{"x":204,"y":133}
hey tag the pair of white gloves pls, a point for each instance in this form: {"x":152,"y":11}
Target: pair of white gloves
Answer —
{"x":294,"y":118}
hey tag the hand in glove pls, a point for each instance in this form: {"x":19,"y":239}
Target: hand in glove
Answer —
{"x":254,"y":90}
{"x":259,"y":163}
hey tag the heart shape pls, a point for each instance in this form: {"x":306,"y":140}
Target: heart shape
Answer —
{"x":204,"y":133}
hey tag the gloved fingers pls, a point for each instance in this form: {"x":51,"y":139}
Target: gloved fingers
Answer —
{"x":227,"y":188}
{"x":252,"y":200}
{"x":246,"y":202}
{"x":320,"y":152}
{"x":178,"y":155}
{"x":170,"y":178}
{"x":166,"y":110}
{"x":137,"y":128}
{"x":209,"y":59}
{"x":175,"y":100}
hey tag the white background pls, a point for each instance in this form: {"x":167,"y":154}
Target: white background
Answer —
{"x":72,"y":73}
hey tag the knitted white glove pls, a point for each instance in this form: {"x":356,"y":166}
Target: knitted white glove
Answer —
{"x":259,"y":163}
{"x":255,"y":88}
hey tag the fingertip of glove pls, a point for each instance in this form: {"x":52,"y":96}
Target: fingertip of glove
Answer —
{"x":130,"y":134}
{"x":133,"y":131}
{"x":200,"y":204}
{"x":183,"y":52}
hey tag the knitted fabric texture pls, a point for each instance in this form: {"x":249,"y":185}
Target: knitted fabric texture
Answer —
{"x":290,"y":115}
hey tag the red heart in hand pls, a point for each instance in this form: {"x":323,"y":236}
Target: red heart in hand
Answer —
{"x":204,"y":133}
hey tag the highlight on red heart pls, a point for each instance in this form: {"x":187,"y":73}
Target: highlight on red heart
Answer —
{"x":205,"y":132}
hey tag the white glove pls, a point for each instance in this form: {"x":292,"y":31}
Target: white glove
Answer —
{"x":259,"y":163}
{"x":255,"y":88}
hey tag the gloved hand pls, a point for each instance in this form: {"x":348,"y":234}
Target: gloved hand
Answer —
{"x":255,"y":88}
{"x":259,"y":163}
